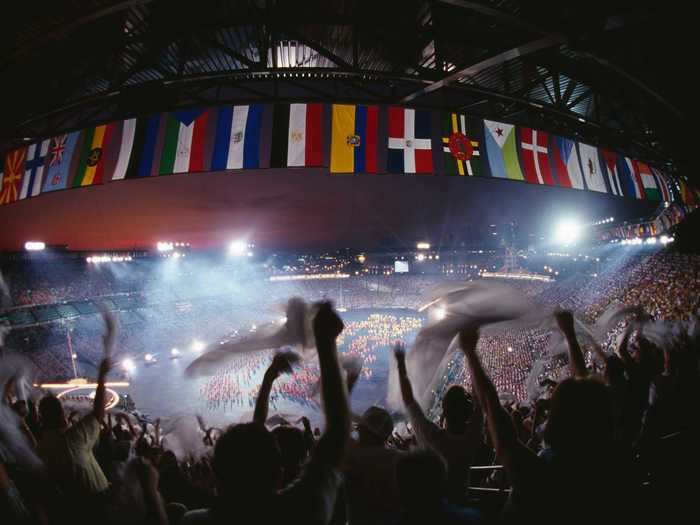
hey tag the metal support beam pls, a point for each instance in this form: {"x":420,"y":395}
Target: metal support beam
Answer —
{"x":474,"y":69}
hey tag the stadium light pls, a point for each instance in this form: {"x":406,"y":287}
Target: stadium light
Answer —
{"x":174,"y":352}
{"x":128,"y":365}
{"x":567,"y":232}
{"x":163,"y":246}
{"x":440,"y":313}
{"x":238,"y":248}
{"x":197,"y":346}
{"x":34,"y":246}
{"x":423,"y":246}
{"x":148,"y":358}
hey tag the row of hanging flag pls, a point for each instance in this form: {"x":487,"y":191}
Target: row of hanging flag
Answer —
{"x":345,"y":138}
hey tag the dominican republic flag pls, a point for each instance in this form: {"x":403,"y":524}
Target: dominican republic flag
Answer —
{"x":461,"y":145}
{"x":565,"y":162}
{"x":590,"y":162}
{"x":61,"y":166}
{"x":501,"y":150}
{"x":410,"y":148}
{"x":354,"y":139}
{"x":238,"y":138}
{"x":534,"y":146}
{"x":298,"y":135}
{"x":627,"y":169}
{"x":661,"y":181}
{"x":183,"y":143}
{"x":34,"y":169}
{"x":651,"y":189}
{"x":609,"y":159}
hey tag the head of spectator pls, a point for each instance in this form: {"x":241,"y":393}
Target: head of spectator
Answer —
{"x":614,"y":370}
{"x":293,"y":450}
{"x":247,"y":463}
{"x":51,"y":412}
{"x":457,"y":408}
{"x":374,"y":427}
{"x":580,"y":418}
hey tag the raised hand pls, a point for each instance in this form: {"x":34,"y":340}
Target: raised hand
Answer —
{"x":565,"y":321}
{"x":327,"y":324}
{"x":468,"y":338}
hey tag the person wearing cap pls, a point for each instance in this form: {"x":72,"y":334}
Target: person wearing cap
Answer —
{"x":460,"y":439}
{"x":371,"y":490}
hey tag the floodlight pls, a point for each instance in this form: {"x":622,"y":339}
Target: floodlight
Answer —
{"x":34,"y":246}
{"x":238,"y":248}
{"x":567,"y":232}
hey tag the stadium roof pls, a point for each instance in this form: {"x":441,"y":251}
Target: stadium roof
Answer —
{"x":592,"y":72}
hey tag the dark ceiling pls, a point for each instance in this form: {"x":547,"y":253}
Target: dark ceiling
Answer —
{"x":607,"y":74}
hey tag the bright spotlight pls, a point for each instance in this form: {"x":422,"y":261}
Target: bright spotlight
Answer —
{"x":567,"y":232}
{"x":148,"y":358}
{"x":164,"y":246}
{"x":651,"y":240}
{"x":510,"y":348}
{"x":34,"y":246}
{"x":174,"y":352}
{"x":238,"y":248}
{"x":128,"y":365}
{"x":197,"y":346}
{"x":440,"y":313}
{"x":420,"y":257}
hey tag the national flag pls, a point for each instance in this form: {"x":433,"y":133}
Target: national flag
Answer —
{"x":590,"y":163}
{"x":143,"y":151}
{"x":60,"y":168}
{"x":126,"y":145}
{"x":661,"y":182}
{"x":91,"y":166}
{"x":686,"y":193}
{"x":565,"y":161}
{"x":631,"y":182}
{"x":34,"y":169}
{"x":354,"y":139}
{"x":298,"y":135}
{"x":501,"y":150}
{"x":409,"y":143}
{"x":461,"y":145}
{"x":534,"y":146}
{"x":183,"y":143}
{"x":13,"y":172}
{"x":651,"y":188}
{"x":238,"y":137}
{"x":610,"y":163}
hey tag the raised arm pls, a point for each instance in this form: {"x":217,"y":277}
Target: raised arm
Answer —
{"x":98,"y":408}
{"x":327,"y":327}
{"x":577,"y":365}
{"x":422,"y":425}
{"x":278,"y":366}
{"x":515,"y":456}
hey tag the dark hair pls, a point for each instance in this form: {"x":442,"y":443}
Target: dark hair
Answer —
{"x":614,"y":369}
{"x":51,"y":412}
{"x":421,"y":477}
{"x":580,"y":419}
{"x":291,"y":443}
{"x":247,"y":460}
{"x":457,"y":405}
